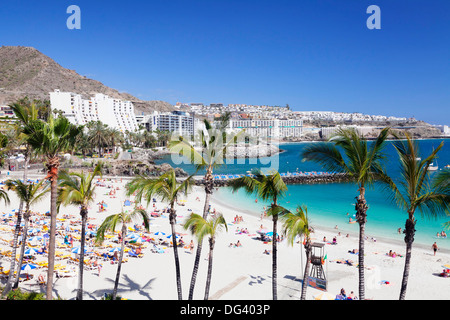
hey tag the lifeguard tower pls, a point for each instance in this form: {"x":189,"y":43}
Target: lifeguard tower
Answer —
{"x":317,"y":278}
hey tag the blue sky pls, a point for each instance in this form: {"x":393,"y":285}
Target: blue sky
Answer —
{"x":310,"y":54}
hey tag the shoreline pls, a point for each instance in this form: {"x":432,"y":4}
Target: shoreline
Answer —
{"x":379,"y":238}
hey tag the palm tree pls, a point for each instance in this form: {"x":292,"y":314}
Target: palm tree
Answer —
{"x":415,"y":191}
{"x":166,"y":187}
{"x":28,"y":193}
{"x":361,"y":163}
{"x":79,"y":189}
{"x":296,"y":224}
{"x":213,"y":143}
{"x":98,"y":135}
{"x":267,"y":187}
{"x":110,"y":223}
{"x":201,"y":228}
{"x":50,"y":139}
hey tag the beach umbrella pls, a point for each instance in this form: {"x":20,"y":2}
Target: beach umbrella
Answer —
{"x":269,"y":234}
{"x":137,"y":240}
{"x":324,"y":296}
{"x":78,"y":250}
{"x":159,"y":233}
{"x":35,"y":240}
{"x":114,"y":249}
{"x":34,"y":230}
{"x":28,"y":266}
{"x":30,"y":251}
{"x":170,"y":236}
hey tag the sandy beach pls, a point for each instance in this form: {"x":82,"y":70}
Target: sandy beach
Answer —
{"x":239,"y":273}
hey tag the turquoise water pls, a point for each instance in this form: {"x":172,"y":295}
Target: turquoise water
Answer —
{"x":328,"y":204}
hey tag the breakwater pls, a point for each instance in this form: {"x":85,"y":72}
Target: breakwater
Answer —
{"x":288,"y":178}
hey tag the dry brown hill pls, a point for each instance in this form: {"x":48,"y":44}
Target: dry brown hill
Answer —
{"x":24,"y":71}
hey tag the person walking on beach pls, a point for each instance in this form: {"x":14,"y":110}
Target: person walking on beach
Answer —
{"x":191,"y":246}
{"x":435,"y":248}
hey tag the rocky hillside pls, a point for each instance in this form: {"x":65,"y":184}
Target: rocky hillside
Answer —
{"x":24,"y":71}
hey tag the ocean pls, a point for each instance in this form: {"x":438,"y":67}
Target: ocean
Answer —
{"x":332,"y":204}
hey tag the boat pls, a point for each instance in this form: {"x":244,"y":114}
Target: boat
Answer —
{"x":447,"y":166}
{"x":432,"y":166}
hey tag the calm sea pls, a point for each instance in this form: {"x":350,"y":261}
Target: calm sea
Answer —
{"x":332,"y":204}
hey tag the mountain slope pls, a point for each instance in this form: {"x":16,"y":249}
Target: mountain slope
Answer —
{"x":24,"y":71}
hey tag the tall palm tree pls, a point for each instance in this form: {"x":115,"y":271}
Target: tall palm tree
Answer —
{"x":166,"y":187}
{"x":296,"y":224}
{"x":79,"y":189}
{"x":25,"y":111}
{"x":110,"y":223}
{"x":28,"y":193}
{"x":50,"y":139}
{"x":209,"y":227}
{"x":415,"y":191}
{"x":362,"y":163}
{"x":267,"y":187}
{"x":213,"y":147}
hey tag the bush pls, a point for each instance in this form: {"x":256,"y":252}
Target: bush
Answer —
{"x":17,"y":294}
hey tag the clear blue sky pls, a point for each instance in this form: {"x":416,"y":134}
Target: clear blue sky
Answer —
{"x":310,"y":54}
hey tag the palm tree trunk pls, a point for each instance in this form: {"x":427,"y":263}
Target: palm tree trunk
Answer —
{"x":274,"y":257}
{"x":409,"y":239}
{"x":83,"y":213}
{"x":22,"y":248}
{"x":52,"y":165}
{"x":307,"y":267}
{"x":17,"y":229}
{"x":208,"y":192}
{"x":172,"y":218}
{"x":210,"y":263}
{"x":8,"y":285}
{"x":361,"y":216}
{"x":119,"y":266}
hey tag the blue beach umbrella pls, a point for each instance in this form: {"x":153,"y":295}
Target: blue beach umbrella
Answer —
{"x":159,"y":233}
{"x":35,"y":239}
{"x":28,"y":267}
{"x":114,"y":249}
{"x":30,"y":251}
{"x":34,"y":230}
{"x":78,"y":250}
{"x":270,"y":234}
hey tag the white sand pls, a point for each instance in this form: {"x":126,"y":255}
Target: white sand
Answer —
{"x":245,"y":272}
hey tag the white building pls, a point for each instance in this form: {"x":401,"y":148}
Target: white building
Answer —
{"x":179,"y":122}
{"x":275,"y":128}
{"x":117,"y":114}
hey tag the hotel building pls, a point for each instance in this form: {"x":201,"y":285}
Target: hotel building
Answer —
{"x":274,"y":128}
{"x":181,"y":123}
{"x":117,"y":114}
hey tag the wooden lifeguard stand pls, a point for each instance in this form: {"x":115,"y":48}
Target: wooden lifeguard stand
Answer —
{"x":317,"y":277}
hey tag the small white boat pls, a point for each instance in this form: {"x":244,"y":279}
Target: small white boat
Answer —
{"x":433,"y":167}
